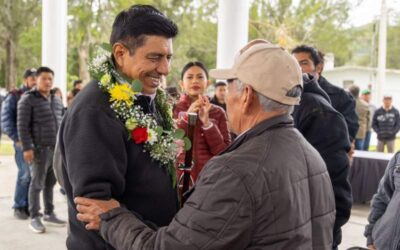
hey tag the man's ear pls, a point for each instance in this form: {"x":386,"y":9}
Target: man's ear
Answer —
{"x":119,"y":51}
{"x":247,"y":98}
{"x":319,"y":68}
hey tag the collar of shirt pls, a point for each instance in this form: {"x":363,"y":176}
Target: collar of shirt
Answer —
{"x":152,"y":96}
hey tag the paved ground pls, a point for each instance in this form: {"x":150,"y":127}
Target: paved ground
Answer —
{"x":15,"y":234}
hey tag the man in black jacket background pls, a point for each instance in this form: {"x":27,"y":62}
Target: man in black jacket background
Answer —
{"x":38,"y":118}
{"x":312,"y":62}
{"x":325,"y":129}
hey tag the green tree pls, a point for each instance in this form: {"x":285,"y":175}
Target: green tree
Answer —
{"x":393,"y":44}
{"x":17,"y":18}
{"x":89,"y":24}
{"x":316,"y":22}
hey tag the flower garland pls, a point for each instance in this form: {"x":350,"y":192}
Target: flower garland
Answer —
{"x":163,"y":144}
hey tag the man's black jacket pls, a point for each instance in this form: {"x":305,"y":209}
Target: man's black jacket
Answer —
{"x":100,"y":162}
{"x":326,"y":130}
{"x":38,"y":119}
{"x":344,"y":103}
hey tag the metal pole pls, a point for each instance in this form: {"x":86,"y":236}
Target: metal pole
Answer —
{"x":381,"y":79}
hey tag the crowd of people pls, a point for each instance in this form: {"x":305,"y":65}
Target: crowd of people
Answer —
{"x":266,"y":172}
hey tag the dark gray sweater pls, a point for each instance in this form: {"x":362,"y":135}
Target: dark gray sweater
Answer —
{"x":386,"y":123}
{"x":100,"y":162}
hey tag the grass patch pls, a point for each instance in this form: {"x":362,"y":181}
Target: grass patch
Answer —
{"x":396,"y":146}
{"x":6,"y":149}
{"x":6,"y":146}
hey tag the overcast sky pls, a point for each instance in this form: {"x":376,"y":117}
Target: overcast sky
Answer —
{"x":369,"y":9}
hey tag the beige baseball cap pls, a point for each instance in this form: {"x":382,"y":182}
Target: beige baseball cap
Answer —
{"x":266,"y":67}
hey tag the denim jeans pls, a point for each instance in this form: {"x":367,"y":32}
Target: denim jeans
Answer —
{"x":43,"y":179}
{"x":367,"y":139}
{"x":23,"y":179}
{"x":359,"y":144}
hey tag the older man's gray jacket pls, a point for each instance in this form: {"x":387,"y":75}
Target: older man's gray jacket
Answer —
{"x":269,"y":190}
{"x":383,"y":229}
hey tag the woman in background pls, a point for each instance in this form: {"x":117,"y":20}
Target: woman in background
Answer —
{"x":211,"y":134}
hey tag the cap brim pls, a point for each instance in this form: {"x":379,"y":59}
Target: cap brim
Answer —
{"x":223,"y":74}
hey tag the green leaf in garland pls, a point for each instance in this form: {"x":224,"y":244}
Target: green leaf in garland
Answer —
{"x":106,"y":46}
{"x":178,"y":134}
{"x":188,"y":143}
{"x":159,"y":130}
{"x":172,"y":173}
{"x":137,"y":86}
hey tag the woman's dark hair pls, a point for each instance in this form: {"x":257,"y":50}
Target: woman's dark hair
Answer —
{"x":191,"y":64}
{"x":315,"y":56}
{"x":131,"y":26}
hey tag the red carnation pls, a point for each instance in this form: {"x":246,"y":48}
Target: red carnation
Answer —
{"x":139,"y":135}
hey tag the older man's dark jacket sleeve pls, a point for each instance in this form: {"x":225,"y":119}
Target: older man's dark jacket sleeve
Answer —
{"x":93,"y":144}
{"x":210,"y":219}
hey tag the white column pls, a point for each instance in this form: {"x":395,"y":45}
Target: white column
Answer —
{"x":233,"y":26}
{"x":54,"y":41}
{"x":381,"y":76}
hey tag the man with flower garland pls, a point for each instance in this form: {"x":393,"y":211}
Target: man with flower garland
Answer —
{"x":112,"y":140}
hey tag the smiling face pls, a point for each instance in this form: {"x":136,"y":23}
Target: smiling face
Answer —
{"x":194,"y":81}
{"x":149,"y":62}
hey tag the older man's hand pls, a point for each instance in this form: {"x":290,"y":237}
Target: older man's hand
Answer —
{"x":90,"y":210}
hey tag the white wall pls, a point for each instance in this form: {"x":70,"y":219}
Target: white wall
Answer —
{"x":363,"y":77}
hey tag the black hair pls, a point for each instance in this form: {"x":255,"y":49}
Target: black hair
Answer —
{"x":191,"y":64}
{"x":76,"y":82}
{"x":43,"y":69}
{"x":354,"y":91}
{"x":30,"y":72}
{"x":75,"y":92}
{"x":131,"y":26}
{"x":315,"y":57}
{"x":220,"y":83}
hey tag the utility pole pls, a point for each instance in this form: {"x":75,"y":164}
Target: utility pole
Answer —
{"x":381,"y":79}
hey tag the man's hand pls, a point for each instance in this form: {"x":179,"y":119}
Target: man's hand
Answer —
{"x":371,"y":247}
{"x":90,"y":209}
{"x":28,"y":156}
{"x":351,"y":152}
{"x":204,"y":111}
{"x":195,"y":106}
